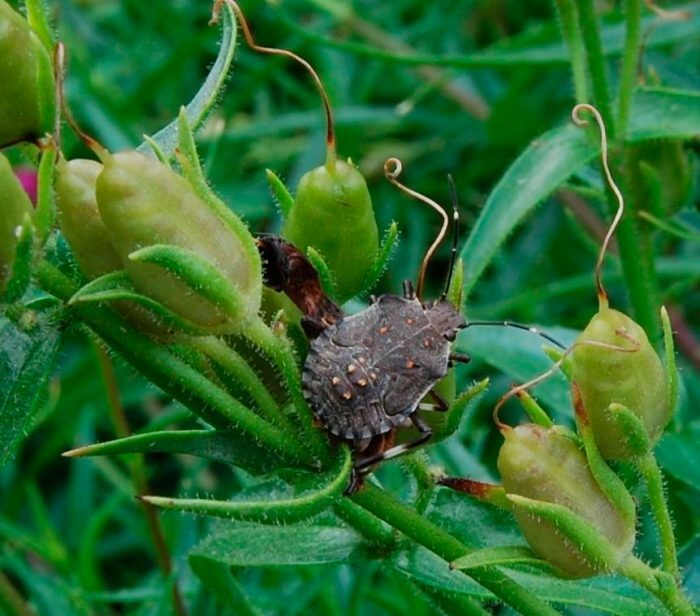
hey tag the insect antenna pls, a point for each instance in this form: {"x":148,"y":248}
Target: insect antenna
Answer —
{"x":579,"y":121}
{"x":331,"y":156}
{"x":455,"y":233}
{"x":516,"y":325}
{"x":392,"y":170}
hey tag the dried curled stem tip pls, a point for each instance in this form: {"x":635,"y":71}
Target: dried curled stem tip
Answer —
{"x":331,"y":156}
{"x":392,"y":170}
{"x":576,"y":117}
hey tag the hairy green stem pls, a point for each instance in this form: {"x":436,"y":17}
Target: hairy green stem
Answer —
{"x":658,"y":583}
{"x":449,"y":548}
{"x":245,"y":376}
{"x":596,"y":61}
{"x":568,"y":23}
{"x":418,"y":465}
{"x":368,"y":525}
{"x":279,"y":350}
{"x":630,"y":59}
{"x":138,"y":477}
{"x":171,"y":374}
{"x":657,"y":498}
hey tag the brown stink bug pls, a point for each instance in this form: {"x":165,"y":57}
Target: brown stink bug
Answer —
{"x":366,"y":375}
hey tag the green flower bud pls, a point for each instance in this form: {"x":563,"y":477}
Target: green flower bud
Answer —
{"x":27,"y":99}
{"x":333,"y":213}
{"x":545,"y":465}
{"x":144,"y":204}
{"x":15,"y":208}
{"x":80,"y":219}
{"x":633,"y":378}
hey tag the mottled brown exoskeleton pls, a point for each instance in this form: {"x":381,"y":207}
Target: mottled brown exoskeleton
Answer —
{"x":366,"y":375}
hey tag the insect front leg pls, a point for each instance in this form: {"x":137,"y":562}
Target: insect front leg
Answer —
{"x":440,"y":406}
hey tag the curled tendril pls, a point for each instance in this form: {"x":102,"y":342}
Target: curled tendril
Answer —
{"x":518,"y":389}
{"x":240,"y":17}
{"x":392,"y":170}
{"x":579,"y":121}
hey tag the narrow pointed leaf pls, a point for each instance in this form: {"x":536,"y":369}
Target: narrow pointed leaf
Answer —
{"x":202,"y":276}
{"x":225,"y":446}
{"x":280,"y":193}
{"x":206,"y":97}
{"x":324,"y":272}
{"x":327,"y":489}
{"x":386,"y":250}
{"x":22,"y":265}
{"x":505,"y":555}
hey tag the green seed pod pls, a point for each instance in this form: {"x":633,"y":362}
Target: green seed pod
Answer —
{"x":545,"y":465}
{"x":634,"y":378}
{"x":333,"y":213}
{"x":15,"y":207}
{"x":27,"y":99}
{"x":146,"y":205}
{"x":80,"y":219}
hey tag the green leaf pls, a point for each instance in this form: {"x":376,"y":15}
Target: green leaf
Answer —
{"x":325,"y":275}
{"x":602,"y":594}
{"x":45,"y":214}
{"x":26,"y":359}
{"x":552,"y":158}
{"x":257,"y":545}
{"x":519,"y":355}
{"x":678,"y":455}
{"x":204,"y":100}
{"x":117,"y":287}
{"x":22,"y":265}
{"x":503,"y":555}
{"x":386,"y":250}
{"x":37,"y":16}
{"x":198,"y":273}
{"x":327,"y":488}
{"x":226,"y":446}
{"x":280,"y":193}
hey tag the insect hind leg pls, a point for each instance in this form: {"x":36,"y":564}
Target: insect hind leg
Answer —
{"x":426,"y":433}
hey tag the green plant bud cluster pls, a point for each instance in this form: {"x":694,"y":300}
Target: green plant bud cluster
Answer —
{"x":15,"y":211}
{"x":27,"y":93}
{"x":143,"y":204}
{"x":333,"y":213}
{"x":634,"y":378}
{"x":546,"y":465}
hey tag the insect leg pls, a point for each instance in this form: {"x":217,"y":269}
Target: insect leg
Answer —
{"x":441,"y":405}
{"x":425,"y":433}
{"x":408,"y":290}
{"x":459,"y":358}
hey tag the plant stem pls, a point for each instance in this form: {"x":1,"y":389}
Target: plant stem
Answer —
{"x":138,"y":477}
{"x":278,"y":349}
{"x":368,"y":525}
{"x":239,"y":369}
{"x":418,"y":465}
{"x":571,"y":33}
{"x":449,"y":548}
{"x":171,"y":374}
{"x":596,"y":61}
{"x":658,"y":583}
{"x":630,"y":59}
{"x":657,"y":498}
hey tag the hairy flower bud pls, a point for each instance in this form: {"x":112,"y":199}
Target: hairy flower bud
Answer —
{"x":333,"y":213}
{"x":80,"y":219}
{"x":546,"y":466}
{"x":27,"y":104}
{"x":15,"y":209}
{"x":145,"y":204}
{"x":632,"y":376}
